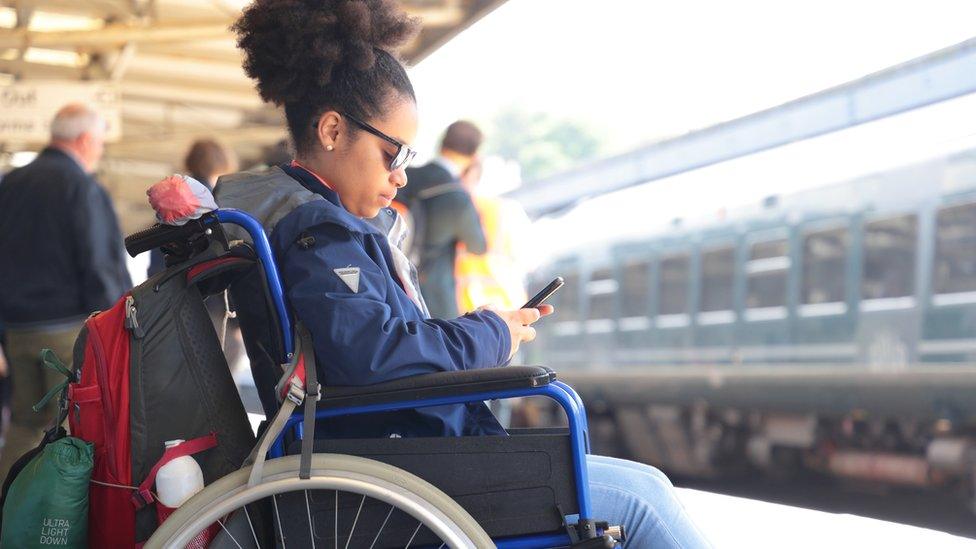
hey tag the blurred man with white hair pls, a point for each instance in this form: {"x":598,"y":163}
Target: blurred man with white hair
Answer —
{"x":61,"y":258}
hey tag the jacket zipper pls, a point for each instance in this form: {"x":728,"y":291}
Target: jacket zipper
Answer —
{"x":108,"y":417}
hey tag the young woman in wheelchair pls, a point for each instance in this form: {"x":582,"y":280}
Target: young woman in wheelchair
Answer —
{"x":352,"y":114}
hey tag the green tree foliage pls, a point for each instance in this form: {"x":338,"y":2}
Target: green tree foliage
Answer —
{"x":541,"y":143}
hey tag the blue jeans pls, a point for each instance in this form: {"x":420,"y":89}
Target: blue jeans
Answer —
{"x":643,"y":500}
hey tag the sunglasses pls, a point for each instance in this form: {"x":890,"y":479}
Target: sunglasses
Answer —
{"x":404,"y":154}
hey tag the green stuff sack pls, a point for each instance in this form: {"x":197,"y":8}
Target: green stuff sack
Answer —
{"x":47,"y":504}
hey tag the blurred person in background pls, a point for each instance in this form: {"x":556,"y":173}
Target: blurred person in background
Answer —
{"x":279,"y":153}
{"x":497,"y":277}
{"x":447,"y":217}
{"x":61,"y":258}
{"x":209,"y":159}
{"x":5,"y":383}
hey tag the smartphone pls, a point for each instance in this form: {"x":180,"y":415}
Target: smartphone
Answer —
{"x":541,"y":297}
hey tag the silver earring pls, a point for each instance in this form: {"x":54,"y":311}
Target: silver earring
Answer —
{"x":329,"y":147}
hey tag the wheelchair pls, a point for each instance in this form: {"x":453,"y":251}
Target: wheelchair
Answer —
{"x":525,"y":490}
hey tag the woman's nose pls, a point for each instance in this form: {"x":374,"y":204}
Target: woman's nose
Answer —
{"x":399,"y":178}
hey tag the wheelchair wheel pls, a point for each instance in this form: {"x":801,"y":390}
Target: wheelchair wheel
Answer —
{"x":347,"y":502}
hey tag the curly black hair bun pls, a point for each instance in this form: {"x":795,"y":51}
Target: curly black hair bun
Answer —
{"x":297,"y":49}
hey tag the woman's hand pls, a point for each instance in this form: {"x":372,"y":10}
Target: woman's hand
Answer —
{"x":520,"y":324}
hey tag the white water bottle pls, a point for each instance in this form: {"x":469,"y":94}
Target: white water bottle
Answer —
{"x":179,"y":479}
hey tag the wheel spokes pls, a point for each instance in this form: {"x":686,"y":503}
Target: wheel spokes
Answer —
{"x":387,"y":519}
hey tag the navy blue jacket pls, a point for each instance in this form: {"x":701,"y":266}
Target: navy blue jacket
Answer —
{"x":61,"y":254}
{"x":370,"y":332}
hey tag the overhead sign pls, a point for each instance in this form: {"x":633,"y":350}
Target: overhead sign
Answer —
{"x":26,"y":108}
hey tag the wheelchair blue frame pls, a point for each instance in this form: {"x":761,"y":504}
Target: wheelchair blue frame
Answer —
{"x":558,"y":391}
{"x":263,"y":249}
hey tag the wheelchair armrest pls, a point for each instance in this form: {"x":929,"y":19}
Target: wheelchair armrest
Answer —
{"x":441,"y":384}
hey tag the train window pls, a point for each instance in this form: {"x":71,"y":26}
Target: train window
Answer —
{"x":766,"y":274}
{"x":889,"y":258}
{"x":718,"y":267}
{"x":566,"y":300}
{"x":824,"y":262}
{"x":601,"y":290}
{"x":635,"y":280}
{"x":955,"y":260}
{"x":673,"y":285}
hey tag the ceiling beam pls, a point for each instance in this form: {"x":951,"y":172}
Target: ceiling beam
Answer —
{"x":223,"y":51}
{"x":118,"y":34}
{"x":100,"y":9}
{"x":240,"y":98}
{"x":434,"y":36}
{"x":23,"y":70}
{"x":449,"y":15}
{"x":247,"y":134}
{"x":169,"y":68}
{"x":144,"y":85}
{"x":168,"y":115}
{"x":119,"y":63}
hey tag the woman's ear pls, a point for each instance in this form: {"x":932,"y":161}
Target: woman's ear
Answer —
{"x":328,"y":129}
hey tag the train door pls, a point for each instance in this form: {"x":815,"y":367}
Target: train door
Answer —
{"x":672,"y":321}
{"x":564,"y":335}
{"x":764,"y":332}
{"x":950,"y":320}
{"x":825,"y":321}
{"x":716,"y":318}
{"x":888,"y":327}
{"x":636,"y":276}
{"x":600,"y":292}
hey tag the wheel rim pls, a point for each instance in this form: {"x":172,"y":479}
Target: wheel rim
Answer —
{"x":344,"y":481}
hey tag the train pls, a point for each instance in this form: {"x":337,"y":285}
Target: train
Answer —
{"x":830,"y":330}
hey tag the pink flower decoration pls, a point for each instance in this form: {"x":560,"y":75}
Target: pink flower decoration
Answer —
{"x":172,"y":199}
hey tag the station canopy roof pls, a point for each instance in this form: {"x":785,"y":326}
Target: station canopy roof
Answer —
{"x":177,"y":70}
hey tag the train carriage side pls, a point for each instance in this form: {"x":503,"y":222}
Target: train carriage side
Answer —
{"x":825,"y":314}
{"x":716,"y":302}
{"x":765,"y":332}
{"x":599,"y":288}
{"x":636,"y":301}
{"x":671,"y":334}
{"x":949,"y":325}
{"x":560,"y":340}
{"x":828,"y":305}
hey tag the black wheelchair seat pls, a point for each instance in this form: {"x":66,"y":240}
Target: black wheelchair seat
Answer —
{"x":512,"y":485}
{"x":515,"y":485}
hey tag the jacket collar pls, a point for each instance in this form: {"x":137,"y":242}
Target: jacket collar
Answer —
{"x":448,"y":166}
{"x":313,"y":183}
{"x":338,"y":213}
{"x":53,"y":151}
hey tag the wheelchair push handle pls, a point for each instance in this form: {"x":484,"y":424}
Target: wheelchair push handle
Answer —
{"x":160,"y":235}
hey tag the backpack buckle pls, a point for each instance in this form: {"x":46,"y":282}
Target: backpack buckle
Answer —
{"x":296,"y":390}
{"x":142,"y":497}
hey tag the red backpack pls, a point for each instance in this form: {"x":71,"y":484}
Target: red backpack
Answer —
{"x":150,"y":369}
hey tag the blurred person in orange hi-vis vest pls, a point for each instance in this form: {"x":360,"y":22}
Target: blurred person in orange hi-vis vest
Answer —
{"x":496,"y":278}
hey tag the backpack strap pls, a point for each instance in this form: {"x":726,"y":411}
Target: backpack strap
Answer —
{"x":52,"y":362}
{"x":213,"y":267}
{"x":299,"y":385}
{"x":416,"y":204}
{"x":312,"y":394}
{"x":143,"y":496}
{"x":437,"y":190}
